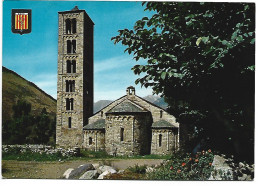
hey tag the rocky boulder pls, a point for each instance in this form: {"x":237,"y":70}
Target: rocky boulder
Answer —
{"x":67,"y":173}
{"x":70,"y":174}
{"x":101,"y":176}
{"x":104,"y":168}
{"x":92,"y":174}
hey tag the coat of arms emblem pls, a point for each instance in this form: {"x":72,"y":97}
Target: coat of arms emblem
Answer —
{"x":21,"y":21}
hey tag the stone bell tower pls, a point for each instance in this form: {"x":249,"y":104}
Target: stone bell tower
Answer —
{"x":75,"y":76}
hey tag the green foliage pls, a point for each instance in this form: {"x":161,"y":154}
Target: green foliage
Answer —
{"x":24,"y":128}
{"x":201,"y":58}
{"x":93,"y":154}
{"x":138,"y":169}
{"x":185,"y":167}
{"x":16,"y":87}
{"x":21,"y":108}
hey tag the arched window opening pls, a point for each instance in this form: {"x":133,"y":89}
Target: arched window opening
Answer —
{"x":70,"y":85}
{"x":161,"y":113}
{"x":67,"y":86}
{"x":69,"y":46}
{"x":74,"y":26}
{"x":68,"y":66}
{"x":68,"y":26}
{"x":69,"y":122}
{"x":73,"y":46}
{"x":122,"y":134}
{"x":73,"y":66}
{"x":90,"y":141}
{"x":160,"y":140}
{"x":69,"y":103}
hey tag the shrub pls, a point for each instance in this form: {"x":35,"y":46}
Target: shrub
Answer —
{"x":138,"y":169}
{"x":93,"y":154}
{"x":185,"y":167}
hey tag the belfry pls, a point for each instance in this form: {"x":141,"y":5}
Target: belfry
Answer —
{"x":75,"y":76}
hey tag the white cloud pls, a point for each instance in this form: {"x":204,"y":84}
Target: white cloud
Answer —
{"x":111,"y":78}
{"x":111,"y":64}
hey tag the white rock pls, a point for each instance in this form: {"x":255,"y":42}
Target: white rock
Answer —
{"x":92,"y":174}
{"x":149,"y":169}
{"x":96,"y":165}
{"x":67,"y":173}
{"x":80,"y":170}
{"x":241,"y":165}
{"x":121,"y":171}
{"x":101,"y":176}
{"x":107,"y":168}
{"x":221,"y":168}
{"x":242,"y":178}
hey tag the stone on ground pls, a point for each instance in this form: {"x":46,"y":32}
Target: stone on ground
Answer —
{"x":121,"y":171}
{"x":221,"y":169}
{"x":80,"y":170}
{"x":101,"y":176}
{"x":92,"y":174}
{"x":67,"y":173}
{"x":149,"y":169}
{"x":96,"y":165}
{"x":107,"y":168}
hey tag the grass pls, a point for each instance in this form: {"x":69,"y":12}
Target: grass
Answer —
{"x":14,"y":85}
{"x":104,"y":155}
{"x":138,"y":169}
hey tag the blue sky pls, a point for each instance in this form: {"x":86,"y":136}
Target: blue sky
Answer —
{"x":34,"y":55}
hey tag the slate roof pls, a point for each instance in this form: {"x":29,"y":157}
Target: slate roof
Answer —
{"x":126,"y":107}
{"x":162,"y":124}
{"x":99,"y":124}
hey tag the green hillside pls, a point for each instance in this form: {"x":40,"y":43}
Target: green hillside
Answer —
{"x":15,"y":87}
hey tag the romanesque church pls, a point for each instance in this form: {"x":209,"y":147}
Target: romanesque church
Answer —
{"x":128,"y":126}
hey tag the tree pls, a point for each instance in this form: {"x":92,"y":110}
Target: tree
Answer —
{"x":25,"y":128}
{"x":41,"y":129}
{"x":18,"y":128}
{"x":201,"y":58}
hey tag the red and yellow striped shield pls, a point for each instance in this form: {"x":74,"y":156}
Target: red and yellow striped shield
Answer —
{"x":21,"y":21}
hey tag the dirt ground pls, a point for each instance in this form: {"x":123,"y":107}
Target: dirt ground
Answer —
{"x":54,"y":170}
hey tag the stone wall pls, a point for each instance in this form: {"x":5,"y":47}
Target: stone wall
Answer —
{"x":39,"y":148}
{"x":169,"y":141}
{"x":142,"y":134}
{"x":97,"y":138}
{"x":135,"y":140}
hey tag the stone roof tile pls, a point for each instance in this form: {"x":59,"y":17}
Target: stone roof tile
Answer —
{"x":99,"y":124}
{"x":126,"y":107}
{"x":162,"y":124}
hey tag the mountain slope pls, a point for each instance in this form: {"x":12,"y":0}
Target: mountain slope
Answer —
{"x":161,"y":103}
{"x":15,"y":87}
{"x":153,"y":99}
{"x":101,"y":104}
{"x":157,"y":100}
